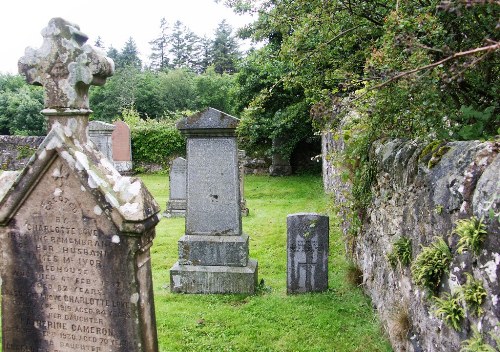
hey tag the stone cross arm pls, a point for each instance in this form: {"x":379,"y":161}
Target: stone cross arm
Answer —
{"x":65,"y":65}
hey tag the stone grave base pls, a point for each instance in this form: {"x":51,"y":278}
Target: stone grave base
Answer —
{"x":213,"y":250}
{"x":213,"y":279}
{"x":174,"y":213}
{"x":176,"y":208}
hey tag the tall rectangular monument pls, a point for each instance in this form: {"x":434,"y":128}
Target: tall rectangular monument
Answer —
{"x":213,"y":254}
{"x":74,"y":234}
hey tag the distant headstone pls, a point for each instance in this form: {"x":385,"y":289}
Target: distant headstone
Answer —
{"x":307,"y":252}
{"x":176,"y":206}
{"x":213,"y":254}
{"x":74,"y":234}
{"x":100,"y":134}
{"x":122,"y":148}
{"x":280,"y":165}
{"x":241,"y":166}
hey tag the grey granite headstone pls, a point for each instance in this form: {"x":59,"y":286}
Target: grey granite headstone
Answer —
{"x":100,"y":134}
{"x":74,"y":234}
{"x":213,"y":254}
{"x":176,"y":206}
{"x":307,"y":252}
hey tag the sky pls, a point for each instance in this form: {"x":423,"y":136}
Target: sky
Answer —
{"x":21,"y":22}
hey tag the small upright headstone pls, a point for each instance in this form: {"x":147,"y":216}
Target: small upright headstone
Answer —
{"x":176,"y":206}
{"x":100,"y":133}
{"x":213,"y":254}
{"x":280,"y":165}
{"x":74,"y":234}
{"x":122,"y":147}
{"x":241,"y":166}
{"x":307,"y":252}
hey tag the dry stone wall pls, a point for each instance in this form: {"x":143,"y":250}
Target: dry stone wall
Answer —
{"x":420,"y":194}
{"x":15,"y":151}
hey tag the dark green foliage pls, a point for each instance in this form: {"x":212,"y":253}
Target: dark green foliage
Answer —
{"x":450,"y":310}
{"x":20,"y":107}
{"x":156,"y":142}
{"x":431,"y":264}
{"x":129,"y":56}
{"x":224,"y":52}
{"x":478,"y":124}
{"x":401,"y":252}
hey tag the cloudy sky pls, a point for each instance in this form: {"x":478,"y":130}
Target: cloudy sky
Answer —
{"x":21,"y":22}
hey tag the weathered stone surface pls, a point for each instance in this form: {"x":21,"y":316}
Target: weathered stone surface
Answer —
{"x":213,"y":255}
{"x":214,"y":279}
{"x":241,"y":170}
{"x":213,"y":250}
{"x":74,"y":234}
{"x":100,"y":134}
{"x":410,"y":199}
{"x":122,"y":147}
{"x":15,"y":151}
{"x":65,"y":66}
{"x":176,"y":205}
{"x":213,"y":194}
{"x":307,"y":252}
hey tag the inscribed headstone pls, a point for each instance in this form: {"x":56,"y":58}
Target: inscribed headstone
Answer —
{"x":307,"y":252}
{"x":122,"y":148}
{"x":176,"y":205}
{"x":213,"y":254}
{"x":74,"y":234}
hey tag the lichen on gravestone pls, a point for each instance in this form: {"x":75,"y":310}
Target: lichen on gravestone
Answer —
{"x":65,"y":65}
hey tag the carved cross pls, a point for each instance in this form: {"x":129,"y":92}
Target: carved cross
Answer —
{"x":65,"y":66}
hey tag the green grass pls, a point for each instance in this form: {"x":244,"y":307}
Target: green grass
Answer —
{"x":340,"y":319}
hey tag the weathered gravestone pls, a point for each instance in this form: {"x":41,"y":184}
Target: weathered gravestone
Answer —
{"x":74,"y":234}
{"x":307,"y":252}
{"x":100,"y":134}
{"x":280,"y":164}
{"x":122,"y":148}
{"x":176,"y":206}
{"x":213,"y":254}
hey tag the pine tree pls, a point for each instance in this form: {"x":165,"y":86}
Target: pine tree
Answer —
{"x":129,"y":56}
{"x":178,"y":45}
{"x":159,"y":47}
{"x":224,"y":53}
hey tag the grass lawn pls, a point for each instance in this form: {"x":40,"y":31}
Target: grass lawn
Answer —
{"x":340,"y":319}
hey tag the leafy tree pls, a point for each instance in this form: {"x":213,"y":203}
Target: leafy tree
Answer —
{"x":118,"y":93}
{"x":224,"y":52}
{"x":20,"y":106}
{"x":214,"y":90}
{"x":159,"y":47}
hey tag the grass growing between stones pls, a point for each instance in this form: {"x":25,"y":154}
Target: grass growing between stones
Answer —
{"x":340,"y":319}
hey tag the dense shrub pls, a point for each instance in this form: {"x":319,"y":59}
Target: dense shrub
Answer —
{"x":153,"y":141}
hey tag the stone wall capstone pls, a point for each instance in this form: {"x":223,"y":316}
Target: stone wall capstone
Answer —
{"x":422,"y":201}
